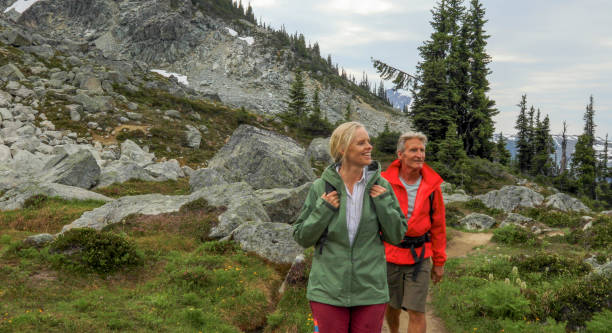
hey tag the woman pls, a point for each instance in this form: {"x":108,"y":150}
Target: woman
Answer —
{"x":347,"y":214}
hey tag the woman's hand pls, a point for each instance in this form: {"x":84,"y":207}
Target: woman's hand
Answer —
{"x":332,"y":198}
{"x":377,"y":190}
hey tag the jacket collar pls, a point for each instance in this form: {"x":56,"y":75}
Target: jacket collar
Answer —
{"x":430,"y":177}
{"x":331,"y":176}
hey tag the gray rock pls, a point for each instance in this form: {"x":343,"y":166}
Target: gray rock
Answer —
{"x":273,"y":241}
{"x":134,"y":115}
{"x":5,"y":114}
{"x":456,"y":197}
{"x":131,"y":152}
{"x":44,"y":51}
{"x":75,"y":115}
{"x":476,"y":221}
{"x":94,"y":104}
{"x":5,"y":100}
{"x":187,"y":171}
{"x":115,"y":211}
{"x":566,"y":203}
{"x":605,"y":269}
{"x":16,"y":38}
{"x":205,"y":177}
{"x":10,"y":72}
{"x":24,"y":162}
{"x":318,"y":151}
{"x":122,"y":171}
{"x":516,"y":219}
{"x":193,"y":137}
{"x":80,"y":170}
{"x":283,"y":204}
{"x":39,"y":240}
{"x":263,"y":159}
{"x":165,"y":170}
{"x":173,"y":114}
{"x":15,"y":197}
{"x":509,"y":198}
{"x":132,"y":106}
{"x":606,"y":212}
{"x":93,"y":85}
{"x":5,"y":154}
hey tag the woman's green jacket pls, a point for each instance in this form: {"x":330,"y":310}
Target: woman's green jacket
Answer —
{"x":341,"y":274}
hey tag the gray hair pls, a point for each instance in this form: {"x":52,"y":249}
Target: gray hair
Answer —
{"x":401,"y":143}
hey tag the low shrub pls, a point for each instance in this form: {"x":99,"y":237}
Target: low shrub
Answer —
{"x":521,"y":326}
{"x":552,"y":218}
{"x":478,"y":206}
{"x":550,"y":265}
{"x":596,"y":237}
{"x":512,"y":235}
{"x":453,"y":215}
{"x":101,"y":252}
{"x":601,"y":322}
{"x":500,"y":300}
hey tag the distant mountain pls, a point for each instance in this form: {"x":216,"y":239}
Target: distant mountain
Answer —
{"x":571,"y":144}
{"x":399,"y":98}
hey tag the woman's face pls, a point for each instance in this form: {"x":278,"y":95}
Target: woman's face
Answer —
{"x":359,"y":151}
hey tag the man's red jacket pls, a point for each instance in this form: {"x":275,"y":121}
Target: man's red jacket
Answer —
{"x":419,"y":223}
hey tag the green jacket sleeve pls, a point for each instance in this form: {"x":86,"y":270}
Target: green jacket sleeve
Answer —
{"x":315,"y":216}
{"x":390,"y":217}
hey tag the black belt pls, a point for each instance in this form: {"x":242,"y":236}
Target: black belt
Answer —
{"x":412,"y":243}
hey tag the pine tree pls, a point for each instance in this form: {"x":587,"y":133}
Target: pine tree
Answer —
{"x":603,"y":162}
{"x":523,"y":146}
{"x":584,"y":162}
{"x":297,"y":98}
{"x":544,"y":147}
{"x":250,"y":15}
{"x":450,"y":150}
{"x":386,"y":141}
{"x":503,"y":155}
{"x":563,"y":164}
{"x":348,"y":112}
{"x":316,"y":125}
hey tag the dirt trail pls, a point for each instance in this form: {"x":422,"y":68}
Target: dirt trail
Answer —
{"x":459,"y":246}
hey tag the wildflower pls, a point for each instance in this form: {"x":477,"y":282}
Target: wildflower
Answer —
{"x":507,"y":281}
{"x":518,"y":281}
{"x":490,"y":276}
{"x":524,"y":285}
{"x":515,"y":271}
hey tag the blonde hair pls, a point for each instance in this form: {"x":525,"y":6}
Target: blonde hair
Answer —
{"x":341,"y":139}
{"x":401,"y":143}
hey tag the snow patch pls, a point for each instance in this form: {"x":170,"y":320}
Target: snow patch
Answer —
{"x":248,"y":40}
{"x":21,"y":6}
{"x":181,"y":78}
{"x":231,"y":31}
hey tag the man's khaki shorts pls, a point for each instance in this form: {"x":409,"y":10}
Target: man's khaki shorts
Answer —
{"x":405,"y":293}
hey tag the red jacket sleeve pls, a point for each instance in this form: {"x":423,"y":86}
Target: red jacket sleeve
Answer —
{"x":438,"y":229}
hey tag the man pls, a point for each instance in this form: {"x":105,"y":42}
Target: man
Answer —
{"x":409,"y":267}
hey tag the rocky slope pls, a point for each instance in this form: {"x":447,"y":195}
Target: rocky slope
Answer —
{"x":232,"y":59}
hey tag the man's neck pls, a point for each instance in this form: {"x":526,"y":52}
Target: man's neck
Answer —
{"x":410,"y":176}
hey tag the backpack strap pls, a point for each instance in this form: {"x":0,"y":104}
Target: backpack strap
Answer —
{"x":328,"y":189}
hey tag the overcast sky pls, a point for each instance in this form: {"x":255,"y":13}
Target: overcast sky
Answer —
{"x":558,"y":52}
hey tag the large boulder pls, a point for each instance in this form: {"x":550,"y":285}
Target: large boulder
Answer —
{"x":566,"y":203}
{"x":476,"y":221}
{"x":15,"y":197}
{"x":169,"y":170}
{"x":94,"y":104}
{"x":205,"y":177}
{"x":318,"y":151}
{"x":16,"y":38}
{"x":283,"y":204}
{"x":131,"y":152}
{"x":515,"y":219}
{"x":115,"y":211}
{"x":193,"y":137}
{"x":241,"y":202}
{"x":509,"y":198}
{"x":263,"y":159}
{"x":79,"y":169}
{"x":122,"y":171}
{"x":5,"y":154}
{"x":273,"y":241}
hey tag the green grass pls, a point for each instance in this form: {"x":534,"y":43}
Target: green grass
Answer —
{"x":138,"y":187}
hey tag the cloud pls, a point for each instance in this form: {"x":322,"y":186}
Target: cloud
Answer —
{"x":372,"y":7}
{"x":348,"y":33}
{"x":263,"y":3}
{"x":513,"y":58}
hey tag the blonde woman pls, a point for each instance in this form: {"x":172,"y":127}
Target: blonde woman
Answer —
{"x":348,"y":213}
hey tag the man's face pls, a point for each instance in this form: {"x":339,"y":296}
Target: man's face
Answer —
{"x":413,"y":155}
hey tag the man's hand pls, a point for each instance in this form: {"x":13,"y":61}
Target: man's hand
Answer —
{"x":332,"y":198}
{"x":377,"y":190}
{"x":436,"y":274}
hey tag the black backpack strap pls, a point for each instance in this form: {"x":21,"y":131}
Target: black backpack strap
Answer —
{"x":426,"y":238}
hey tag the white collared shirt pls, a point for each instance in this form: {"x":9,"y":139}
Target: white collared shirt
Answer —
{"x":354,"y":205}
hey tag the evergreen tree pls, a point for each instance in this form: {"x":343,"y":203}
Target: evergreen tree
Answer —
{"x":450,"y":150}
{"x":583,"y":161}
{"x":315,"y":125}
{"x":503,"y":155}
{"x":544,"y":147}
{"x":297,"y":98}
{"x":387,"y":140}
{"x":348,"y":112}
{"x":250,"y":15}
{"x":563,"y":164}
{"x":523,"y":146}
{"x":604,"y":172}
